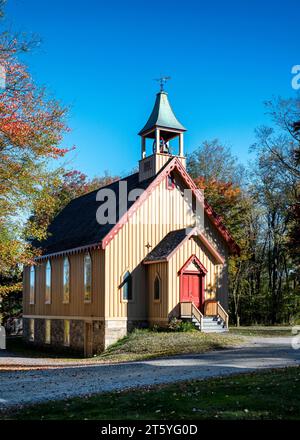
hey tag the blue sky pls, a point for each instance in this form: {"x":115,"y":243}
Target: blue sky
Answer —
{"x":225,"y":59}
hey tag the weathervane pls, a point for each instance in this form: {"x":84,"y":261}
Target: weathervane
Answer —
{"x":162,"y":80}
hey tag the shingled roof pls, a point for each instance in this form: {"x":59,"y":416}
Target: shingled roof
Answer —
{"x":166,"y":246}
{"x":76,"y":225}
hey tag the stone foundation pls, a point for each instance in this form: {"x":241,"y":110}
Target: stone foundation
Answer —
{"x":103,"y":334}
{"x":114,"y":329}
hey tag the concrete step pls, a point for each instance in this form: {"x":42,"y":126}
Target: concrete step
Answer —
{"x":210,"y":324}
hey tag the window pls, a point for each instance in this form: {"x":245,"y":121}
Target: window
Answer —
{"x":66,"y":281}
{"x":170,"y":181}
{"x":48,"y":331}
{"x":31,"y":329}
{"x":127,"y":287}
{"x":32,"y":285}
{"x":48,"y":283}
{"x":157,"y":288}
{"x":87,"y":278}
{"x":66,"y":333}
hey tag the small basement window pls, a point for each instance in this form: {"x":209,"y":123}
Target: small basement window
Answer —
{"x":48,"y":331}
{"x":66,"y":333}
{"x":31,"y":330}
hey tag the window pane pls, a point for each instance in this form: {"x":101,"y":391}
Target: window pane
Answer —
{"x":157,"y":288}
{"x":32,"y":285}
{"x":87,"y":278}
{"x":48,"y":283}
{"x":66,"y":281}
{"x":126,"y":287}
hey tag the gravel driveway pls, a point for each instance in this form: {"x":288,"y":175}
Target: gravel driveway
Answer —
{"x":25,"y":387}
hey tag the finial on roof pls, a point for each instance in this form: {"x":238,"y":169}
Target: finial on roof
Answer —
{"x":162,"y":80}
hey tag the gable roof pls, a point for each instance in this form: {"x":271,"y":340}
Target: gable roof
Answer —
{"x":166,"y":246}
{"x":169,"y":245}
{"x":76,"y":226}
{"x":175,"y":163}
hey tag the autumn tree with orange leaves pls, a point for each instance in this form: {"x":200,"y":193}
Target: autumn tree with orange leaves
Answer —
{"x":31,"y":131}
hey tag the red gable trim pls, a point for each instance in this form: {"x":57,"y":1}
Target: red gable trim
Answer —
{"x":174,"y":163}
{"x":193,"y":259}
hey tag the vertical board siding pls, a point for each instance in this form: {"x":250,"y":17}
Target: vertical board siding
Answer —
{"x":76,"y":305}
{"x":157,"y":309}
{"x":163,"y":211}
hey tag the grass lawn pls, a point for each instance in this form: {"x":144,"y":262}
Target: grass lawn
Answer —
{"x":142,"y":344}
{"x":258,"y":330}
{"x":272,"y":394}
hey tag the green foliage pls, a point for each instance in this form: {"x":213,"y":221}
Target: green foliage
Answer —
{"x":178,"y":325}
{"x":261,"y":210}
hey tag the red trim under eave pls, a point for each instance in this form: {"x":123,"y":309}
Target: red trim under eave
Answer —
{"x":215,"y":218}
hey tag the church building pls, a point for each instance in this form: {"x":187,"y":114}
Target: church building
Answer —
{"x":136,"y":253}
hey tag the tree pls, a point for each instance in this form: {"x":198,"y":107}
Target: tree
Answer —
{"x":57,"y":190}
{"x":276,"y":184}
{"x":219,"y":174}
{"x":31,"y":130}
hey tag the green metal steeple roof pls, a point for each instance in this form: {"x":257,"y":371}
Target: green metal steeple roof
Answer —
{"x":162,"y":115}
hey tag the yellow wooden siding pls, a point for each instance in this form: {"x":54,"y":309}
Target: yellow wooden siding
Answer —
{"x":164,"y":210}
{"x":76,"y":306}
{"x":157,"y":309}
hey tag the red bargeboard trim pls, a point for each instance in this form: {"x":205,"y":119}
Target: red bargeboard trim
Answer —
{"x":174,"y":163}
{"x":194,"y":258}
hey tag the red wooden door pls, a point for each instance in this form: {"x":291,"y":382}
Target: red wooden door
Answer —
{"x":191,"y":288}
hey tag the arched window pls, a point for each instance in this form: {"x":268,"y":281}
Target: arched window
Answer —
{"x":87,"y":278}
{"x":157,"y":288}
{"x":66,"y":281}
{"x":48,"y":283}
{"x":32,"y":285}
{"x":126,"y":287}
